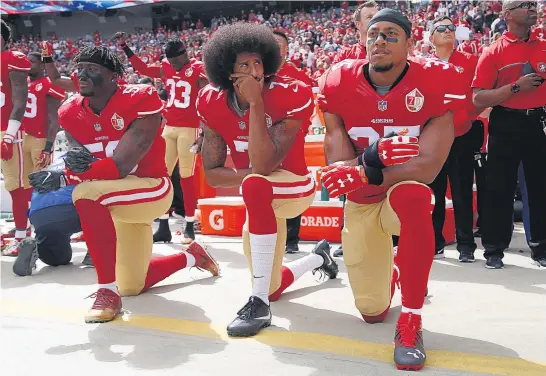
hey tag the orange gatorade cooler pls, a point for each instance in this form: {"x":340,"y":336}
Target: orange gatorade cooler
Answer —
{"x":314,"y":156}
{"x":322,"y":220}
{"x":223,"y":216}
{"x":201,"y":187}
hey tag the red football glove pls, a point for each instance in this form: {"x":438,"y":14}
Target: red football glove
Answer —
{"x":6,"y":148}
{"x":47,"y":51}
{"x":342,"y":179}
{"x":390,"y":151}
{"x":44,"y":160}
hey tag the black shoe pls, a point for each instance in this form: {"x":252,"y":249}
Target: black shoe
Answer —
{"x":25,"y":262}
{"x":189,"y":233}
{"x":291,"y":248}
{"x":163,"y":233}
{"x":494,"y":262}
{"x":540,"y":261}
{"x":439,"y":254}
{"x":478,"y":233}
{"x":466,"y":257}
{"x":253,"y":317}
{"x":338,"y":252}
{"x":329,"y":267}
{"x":87,"y":261}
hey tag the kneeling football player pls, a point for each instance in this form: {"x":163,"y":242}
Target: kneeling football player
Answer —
{"x":261,"y":118}
{"x":385,"y":176}
{"x":121,"y":181}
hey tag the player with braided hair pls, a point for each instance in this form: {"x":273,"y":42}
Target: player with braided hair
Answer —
{"x":121,"y":181}
{"x":183,"y":78}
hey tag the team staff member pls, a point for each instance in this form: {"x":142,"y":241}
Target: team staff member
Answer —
{"x":517,"y":127}
{"x":459,"y":166}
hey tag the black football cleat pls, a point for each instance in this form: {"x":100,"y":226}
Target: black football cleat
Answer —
{"x":339,"y":252}
{"x":329,"y":267}
{"x":26,"y":259}
{"x":163,"y":233}
{"x":189,"y":233}
{"x":253,"y":317}
{"x":409,"y":349}
{"x":292,"y":248}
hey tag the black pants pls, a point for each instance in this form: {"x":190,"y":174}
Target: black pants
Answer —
{"x":54,"y":226}
{"x":178,"y":196}
{"x":293,"y":230}
{"x":459,"y":168}
{"x":514,"y":137}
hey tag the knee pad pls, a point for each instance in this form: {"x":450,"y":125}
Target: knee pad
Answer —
{"x":372,"y":307}
{"x":411,"y":198}
{"x":257,"y":192}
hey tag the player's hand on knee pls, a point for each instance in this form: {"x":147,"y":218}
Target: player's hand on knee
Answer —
{"x":395,"y":148}
{"x":78,"y":160}
{"x":340,"y":179}
{"x":48,"y":181}
{"x":6,"y":148}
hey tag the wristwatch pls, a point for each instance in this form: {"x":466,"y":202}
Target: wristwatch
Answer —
{"x":515,"y":88}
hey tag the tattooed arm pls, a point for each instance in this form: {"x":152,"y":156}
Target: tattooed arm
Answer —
{"x":213,"y":154}
{"x":136,"y":142}
{"x":268,"y":147}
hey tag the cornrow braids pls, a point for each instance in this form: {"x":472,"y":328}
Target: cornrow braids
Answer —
{"x":101,"y":56}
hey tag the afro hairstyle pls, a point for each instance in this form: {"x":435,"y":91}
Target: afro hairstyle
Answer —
{"x":220,"y":52}
{"x":6,"y":32}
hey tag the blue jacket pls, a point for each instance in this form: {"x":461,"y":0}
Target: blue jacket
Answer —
{"x":61,"y":197}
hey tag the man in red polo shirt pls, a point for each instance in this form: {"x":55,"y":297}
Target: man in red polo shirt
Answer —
{"x":510,"y":78}
{"x":361,"y":17}
{"x":459,"y":166}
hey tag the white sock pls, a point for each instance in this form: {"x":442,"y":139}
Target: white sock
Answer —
{"x":262,"y":250}
{"x":411,"y":310}
{"x":20,"y":234}
{"x":305,"y":264}
{"x":190,"y":219}
{"x":164,"y":216}
{"x":110,"y":286}
{"x":190,"y":260}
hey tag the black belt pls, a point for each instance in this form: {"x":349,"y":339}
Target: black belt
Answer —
{"x":528,"y":111}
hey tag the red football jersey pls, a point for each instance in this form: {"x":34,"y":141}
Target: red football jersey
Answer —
{"x":356,"y":51}
{"x":284,"y":98}
{"x":11,"y":61}
{"x":426,"y":91}
{"x":100,"y":134}
{"x":35,"y":121}
{"x":183,"y":90}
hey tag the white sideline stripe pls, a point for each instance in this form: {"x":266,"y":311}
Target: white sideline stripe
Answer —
{"x":301,"y":108}
{"x":138,"y":196}
{"x":294,"y":190}
{"x":453,"y":96}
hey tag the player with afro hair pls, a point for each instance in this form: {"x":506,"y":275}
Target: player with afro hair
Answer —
{"x":220,"y":52}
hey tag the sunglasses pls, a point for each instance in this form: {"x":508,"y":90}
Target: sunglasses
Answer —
{"x":444,"y":28}
{"x":525,"y":5}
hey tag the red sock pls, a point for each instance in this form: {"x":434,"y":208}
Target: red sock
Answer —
{"x":20,"y":199}
{"x":286,"y":280}
{"x":100,"y":235}
{"x":190,"y":198}
{"x":413,"y":204}
{"x":163,"y":266}
{"x":258,"y":197}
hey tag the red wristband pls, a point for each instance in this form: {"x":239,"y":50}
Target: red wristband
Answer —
{"x":103,"y":169}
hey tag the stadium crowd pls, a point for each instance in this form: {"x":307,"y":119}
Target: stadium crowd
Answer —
{"x":315,"y":37}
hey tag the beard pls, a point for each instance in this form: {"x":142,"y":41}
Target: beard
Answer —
{"x":382,"y":68}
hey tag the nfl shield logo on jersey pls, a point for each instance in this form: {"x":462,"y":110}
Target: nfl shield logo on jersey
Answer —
{"x":242,"y":125}
{"x":98,"y":128}
{"x":541,"y":67}
{"x":382,"y":105}
{"x":117,"y":122}
{"x":415,"y":100}
{"x":189,"y":72}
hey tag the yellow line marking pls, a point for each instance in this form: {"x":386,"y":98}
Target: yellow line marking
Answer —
{"x":466,"y":362}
